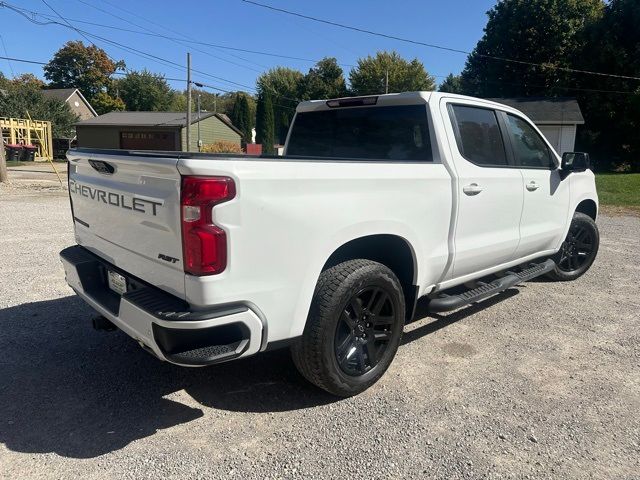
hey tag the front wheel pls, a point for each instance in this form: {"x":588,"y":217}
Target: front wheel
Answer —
{"x":354,"y":327}
{"x":578,"y":251}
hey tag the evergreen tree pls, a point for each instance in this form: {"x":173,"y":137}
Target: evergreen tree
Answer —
{"x":241,"y":116}
{"x":283,"y":85}
{"x":265,"y":125}
{"x":451,"y":84}
{"x":245,"y":118}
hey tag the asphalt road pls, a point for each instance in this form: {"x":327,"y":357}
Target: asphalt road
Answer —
{"x":542,"y":381}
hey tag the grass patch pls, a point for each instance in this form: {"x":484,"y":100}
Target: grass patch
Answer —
{"x":619,"y":189}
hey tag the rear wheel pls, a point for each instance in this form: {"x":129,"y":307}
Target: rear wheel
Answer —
{"x":578,"y":251}
{"x":354,"y":327}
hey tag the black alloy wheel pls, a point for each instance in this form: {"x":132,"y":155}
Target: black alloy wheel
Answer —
{"x":577,"y":249}
{"x":364,"y":330}
{"x":353,"y":329}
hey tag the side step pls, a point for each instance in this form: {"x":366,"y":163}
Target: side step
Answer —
{"x":445,"y":303}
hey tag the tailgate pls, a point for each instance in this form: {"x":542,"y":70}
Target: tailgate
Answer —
{"x":127,"y":210}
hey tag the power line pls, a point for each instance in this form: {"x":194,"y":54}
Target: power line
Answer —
{"x":201,"y":84}
{"x":175,"y":40}
{"x":147,"y":55}
{"x":185,"y":37}
{"x":7,"y":54}
{"x":24,"y":11}
{"x":205,"y":44}
{"x":270,"y":87}
{"x":432,"y":45}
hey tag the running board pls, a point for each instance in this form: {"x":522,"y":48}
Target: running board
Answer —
{"x":445,"y":303}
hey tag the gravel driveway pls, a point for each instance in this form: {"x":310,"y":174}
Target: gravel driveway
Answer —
{"x":542,"y":381}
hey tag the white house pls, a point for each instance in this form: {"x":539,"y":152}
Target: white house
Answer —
{"x":557,"y":118}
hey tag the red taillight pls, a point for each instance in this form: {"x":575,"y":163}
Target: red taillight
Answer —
{"x":204,"y":245}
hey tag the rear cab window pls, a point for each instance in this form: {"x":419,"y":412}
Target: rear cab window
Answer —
{"x":393,"y":133}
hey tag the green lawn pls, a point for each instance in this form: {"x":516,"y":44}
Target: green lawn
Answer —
{"x":619,"y":189}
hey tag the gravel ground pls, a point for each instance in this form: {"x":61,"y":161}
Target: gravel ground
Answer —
{"x":542,"y":381}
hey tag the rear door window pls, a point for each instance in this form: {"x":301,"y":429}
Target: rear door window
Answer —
{"x":478,"y":135}
{"x":529,"y":148}
{"x":395,"y":133}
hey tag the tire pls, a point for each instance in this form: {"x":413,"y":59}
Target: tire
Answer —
{"x":353,"y":329}
{"x":578,"y":251}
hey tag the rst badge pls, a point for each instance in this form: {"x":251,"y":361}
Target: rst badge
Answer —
{"x":167,"y":258}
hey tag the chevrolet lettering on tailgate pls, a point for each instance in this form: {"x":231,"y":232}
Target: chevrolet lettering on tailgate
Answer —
{"x":114,"y":199}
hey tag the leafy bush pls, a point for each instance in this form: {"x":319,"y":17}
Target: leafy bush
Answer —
{"x":222,"y":146}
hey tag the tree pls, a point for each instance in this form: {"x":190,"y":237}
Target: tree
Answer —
{"x":548,"y":32}
{"x":324,"y":80}
{"x":29,"y":79}
{"x":283,"y":85}
{"x":241,"y":116}
{"x":77,"y":66}
{"x":145,"y":91}
{"x":452,"y":84}
{"x":265,"y":124}
{"x":103,"y":103}
{"x":612,"y":120}
{"x":370,"y":75}
{"x":22,"y":97}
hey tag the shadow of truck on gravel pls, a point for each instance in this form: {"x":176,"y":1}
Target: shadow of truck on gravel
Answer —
{"x":80,"y":393}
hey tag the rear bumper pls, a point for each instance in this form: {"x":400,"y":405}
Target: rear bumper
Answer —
{"x":163,"y":323}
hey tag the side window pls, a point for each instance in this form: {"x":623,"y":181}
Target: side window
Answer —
{"x":528,"y":146}
{"x":479,"y":139}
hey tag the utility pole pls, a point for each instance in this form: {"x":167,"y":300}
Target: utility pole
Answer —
{"x":386,"y":81}
{"x":4,"y":177}
{"x":199,"y":141}
{"x":189,"y":101}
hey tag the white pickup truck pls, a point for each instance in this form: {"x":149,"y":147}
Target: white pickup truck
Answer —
{"x":377,"y":201}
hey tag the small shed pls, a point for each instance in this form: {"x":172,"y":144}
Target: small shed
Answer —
{"x":154,"y":130}
{"x":74,"y":98}
{"x":557,"y":118}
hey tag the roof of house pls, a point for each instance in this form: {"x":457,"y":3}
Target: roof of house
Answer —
{"x":64,"y":94}
{"x":59,"y":93}
{"x":152,"y":119}
{"x":561,"y":110}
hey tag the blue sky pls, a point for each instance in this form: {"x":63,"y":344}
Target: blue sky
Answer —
{"x":453,"y":23}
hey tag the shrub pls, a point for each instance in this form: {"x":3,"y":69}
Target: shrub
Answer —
{"x":222,"y":146}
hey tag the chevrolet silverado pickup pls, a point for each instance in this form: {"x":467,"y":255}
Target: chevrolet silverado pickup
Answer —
{"x":377,"y":202}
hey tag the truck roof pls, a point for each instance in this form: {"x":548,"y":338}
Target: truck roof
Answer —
{"x":389,"y":99}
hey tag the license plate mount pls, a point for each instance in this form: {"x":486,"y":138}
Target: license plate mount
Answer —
{"x":117,"y":282}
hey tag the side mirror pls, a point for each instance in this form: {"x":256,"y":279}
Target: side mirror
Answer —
{"x":575,"y":162}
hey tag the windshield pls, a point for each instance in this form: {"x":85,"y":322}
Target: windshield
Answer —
{"x":396,"y":132}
